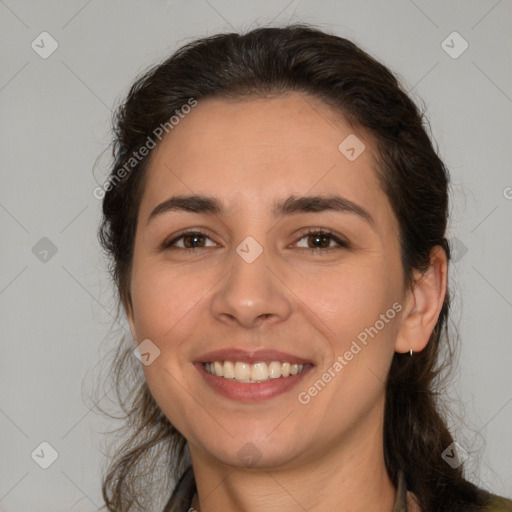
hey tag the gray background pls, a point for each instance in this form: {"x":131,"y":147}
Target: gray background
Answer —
{"x":57,"y":309}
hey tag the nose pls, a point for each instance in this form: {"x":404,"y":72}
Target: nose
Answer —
{"x":251,"y":294}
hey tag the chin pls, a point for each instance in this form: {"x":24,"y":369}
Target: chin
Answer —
{"x":254,"y":448}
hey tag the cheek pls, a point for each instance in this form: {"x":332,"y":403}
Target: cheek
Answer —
{"x":349,"y":299}
{"x":357,"y":310}
{"x":163,"y":297}
{"x":166,"y":303}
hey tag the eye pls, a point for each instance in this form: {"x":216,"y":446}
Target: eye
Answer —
{"x":189,"y":240}
{"x":317,"y":238}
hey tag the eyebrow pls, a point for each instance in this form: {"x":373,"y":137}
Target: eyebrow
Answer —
{"x":290,"y":206}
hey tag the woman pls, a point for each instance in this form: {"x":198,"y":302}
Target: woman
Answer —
{"x":276,"y":219}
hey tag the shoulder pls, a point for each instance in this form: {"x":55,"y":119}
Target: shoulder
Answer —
{"x":497,"y":504}
{"x":466,"y":497}
{"x":488,"y":502}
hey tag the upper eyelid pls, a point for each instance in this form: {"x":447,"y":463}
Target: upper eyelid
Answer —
{"x":173,"y":239}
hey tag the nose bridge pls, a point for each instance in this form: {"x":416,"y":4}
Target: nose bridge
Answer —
{"x":250,"y":290}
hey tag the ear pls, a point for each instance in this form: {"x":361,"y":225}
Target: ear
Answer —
{"x":423,"y":304}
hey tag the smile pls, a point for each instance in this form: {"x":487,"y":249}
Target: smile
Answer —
{"x":240,"y":371}
{"x":252,"y":375}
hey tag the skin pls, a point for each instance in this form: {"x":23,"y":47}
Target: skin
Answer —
{"x":327,"y":454}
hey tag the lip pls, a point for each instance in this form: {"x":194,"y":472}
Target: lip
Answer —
{"x":252,"y":357}
{"x":251,"y":392}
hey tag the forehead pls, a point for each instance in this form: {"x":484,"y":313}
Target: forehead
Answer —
{"x":252,"y":151}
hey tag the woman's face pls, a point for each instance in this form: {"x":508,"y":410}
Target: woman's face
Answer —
{"x":255,"y":286}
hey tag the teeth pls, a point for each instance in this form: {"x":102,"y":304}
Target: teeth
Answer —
{"x":258,"y":372}
{"x":218,"y":368}
{"x":228,"y":371}
{"x":274,"y":370}
{"x":242,"y":371}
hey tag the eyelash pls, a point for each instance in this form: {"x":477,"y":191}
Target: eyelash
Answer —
{"x":342,"y":244}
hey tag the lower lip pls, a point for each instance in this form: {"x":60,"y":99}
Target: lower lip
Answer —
{"x":251,"y":392}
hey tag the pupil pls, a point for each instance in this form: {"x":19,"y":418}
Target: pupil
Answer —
{"x":321,"y":239}
{"x":192,"y":237}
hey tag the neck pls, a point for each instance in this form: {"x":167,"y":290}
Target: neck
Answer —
{"x":349,"y":475}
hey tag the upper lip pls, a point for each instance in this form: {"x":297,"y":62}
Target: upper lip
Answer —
{"x":253,"y":356}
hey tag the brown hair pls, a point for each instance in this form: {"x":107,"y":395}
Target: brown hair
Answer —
{"x":415,"y":180}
